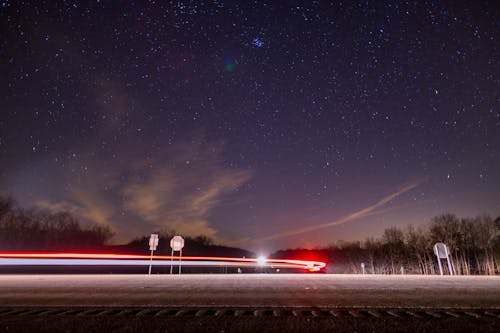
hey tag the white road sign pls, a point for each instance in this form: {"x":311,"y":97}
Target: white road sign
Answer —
{"x":153,"y":242}
{"x":441,"y":250}
{"x":177,"y":243}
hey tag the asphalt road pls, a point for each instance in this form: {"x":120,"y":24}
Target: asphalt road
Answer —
{"x":248,"y":303}
{"x":306,"y":290}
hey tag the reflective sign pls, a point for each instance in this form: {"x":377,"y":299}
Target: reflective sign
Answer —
{"x":177,"y":243}
{"x":441,"y":250}
{"x":153,"y":242}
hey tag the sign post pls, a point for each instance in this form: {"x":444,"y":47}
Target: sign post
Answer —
{"x":443,"y":252}
{"x":176,"y":243}
{"x":153,"y":243}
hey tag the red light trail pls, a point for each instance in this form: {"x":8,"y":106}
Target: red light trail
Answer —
{"x":59,"y":258}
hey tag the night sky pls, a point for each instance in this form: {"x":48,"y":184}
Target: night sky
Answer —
{"x":263,"y":125}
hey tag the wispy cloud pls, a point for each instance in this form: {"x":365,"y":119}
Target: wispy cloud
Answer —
{"x":351,"y":217}
{"x":81,"y":207}
{"x":138,"y":179}
{"x":177,"y":192}
{"x":181,"y":197}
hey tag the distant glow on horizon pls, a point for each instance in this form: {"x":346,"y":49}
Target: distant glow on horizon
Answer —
{"x":101,"y":259}
{"x":261,"y":260}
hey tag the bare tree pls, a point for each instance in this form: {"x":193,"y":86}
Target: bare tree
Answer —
{"x":394,"y":248}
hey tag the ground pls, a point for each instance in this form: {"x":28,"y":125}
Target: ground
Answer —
{"x":246,"y":303}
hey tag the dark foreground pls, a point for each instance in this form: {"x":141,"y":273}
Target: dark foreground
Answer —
{"x":248,"y":303}
{"x":246,"y":320}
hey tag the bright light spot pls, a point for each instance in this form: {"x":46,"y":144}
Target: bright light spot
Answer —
{"x":261,"y":260}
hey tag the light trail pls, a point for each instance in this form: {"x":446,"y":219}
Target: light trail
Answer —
{"x":105,"y":259}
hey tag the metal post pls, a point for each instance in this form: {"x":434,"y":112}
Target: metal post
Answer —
{"x":172,"y":261}
{"x":440,"y":266}
{"x":180,"y":261}
{"x":449,"y":259}
{"x":449,"y":265}
{"x":150,"y":262}
{"x":453,"y":267}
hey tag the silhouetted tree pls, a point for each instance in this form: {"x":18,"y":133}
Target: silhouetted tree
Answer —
{"x":31,"y":229}
{"x":474,"y":245}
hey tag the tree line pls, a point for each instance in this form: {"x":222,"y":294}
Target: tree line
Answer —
{"x":37,"y":230}
{"x":474,"y":245}
{"x":195,"y":246}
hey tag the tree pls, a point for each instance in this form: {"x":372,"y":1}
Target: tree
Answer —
{"x":32,"y":229}
{"x":485,"y":239}
{"x":419,"y":245}
{"x":372,"y":247}
{"x":394,"y":247}
{"x":445,"y":228}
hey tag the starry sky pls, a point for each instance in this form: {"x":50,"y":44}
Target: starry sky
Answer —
{"x":261,"y":124}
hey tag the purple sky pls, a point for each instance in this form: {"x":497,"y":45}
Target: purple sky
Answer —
{"x":258,"y":124}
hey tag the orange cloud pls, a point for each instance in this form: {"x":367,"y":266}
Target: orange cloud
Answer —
{"x":182,"y":198}
{"x":177,"y":192}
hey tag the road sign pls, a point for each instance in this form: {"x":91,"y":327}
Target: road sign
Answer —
{"x":441,"y":250}
{"x":177,"y":243}
{"x":153,"y":242}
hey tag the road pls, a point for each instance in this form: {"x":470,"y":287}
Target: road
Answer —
{"x":220,"y":303}
{"x":250,"y":290}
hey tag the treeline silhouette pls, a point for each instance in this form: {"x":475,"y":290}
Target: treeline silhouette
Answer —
{"x":474,"y":245}
{"x":195,"y":246}
{"x":36,"y":230}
